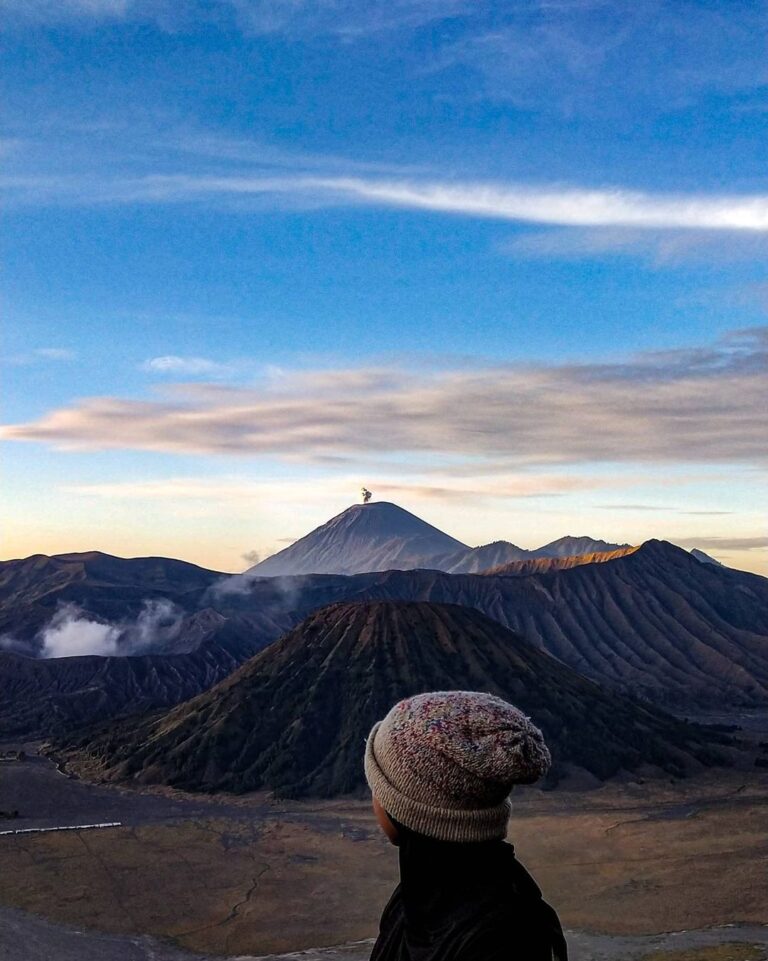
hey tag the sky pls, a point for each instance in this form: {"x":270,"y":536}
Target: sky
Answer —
{"x":503,"y":264}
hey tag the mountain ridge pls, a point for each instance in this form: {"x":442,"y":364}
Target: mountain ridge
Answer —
{"x":538,"y":565}
{"x":294,"y":717}
{"x":656,"y":623}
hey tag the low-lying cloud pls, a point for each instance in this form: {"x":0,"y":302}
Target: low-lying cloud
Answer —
{"x":698,"y":405}
{"x":71,"y":632}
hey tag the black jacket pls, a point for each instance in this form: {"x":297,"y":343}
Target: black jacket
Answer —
{"x":466,"y":902}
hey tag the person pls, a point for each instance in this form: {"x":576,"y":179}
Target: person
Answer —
{"x":440,"y":767}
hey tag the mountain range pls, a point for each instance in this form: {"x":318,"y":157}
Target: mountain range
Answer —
{"x":294,"y":717}
{"x":652,"y":622}
{"x":655,"y":622}
{"x":382,"y":536}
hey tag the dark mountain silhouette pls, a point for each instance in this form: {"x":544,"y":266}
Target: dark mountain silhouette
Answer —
{"x":365,"y":537}
{"x":112,"y":589}
{"x":655,"y":623}
{"x":41,"y":697}
{"x":478,"y":559}
{"x":294,"y":717}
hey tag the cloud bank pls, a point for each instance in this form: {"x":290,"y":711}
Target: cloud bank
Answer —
{"x":698,"y":405}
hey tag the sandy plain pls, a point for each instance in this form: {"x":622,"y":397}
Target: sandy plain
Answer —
{"x":252,"y":877}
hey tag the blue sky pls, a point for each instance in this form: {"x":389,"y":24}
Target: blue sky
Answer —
{"x":503,"y":263}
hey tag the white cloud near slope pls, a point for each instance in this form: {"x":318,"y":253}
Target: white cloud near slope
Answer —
{"x":698,"y":405}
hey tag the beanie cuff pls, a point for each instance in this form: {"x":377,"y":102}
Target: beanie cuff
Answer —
{"x":443,"y":824}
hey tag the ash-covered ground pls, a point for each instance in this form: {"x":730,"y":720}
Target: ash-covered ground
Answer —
{"x":186,"y":877}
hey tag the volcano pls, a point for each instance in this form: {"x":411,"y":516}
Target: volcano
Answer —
{"x":295,"y":716}
{"x":363,"y":538}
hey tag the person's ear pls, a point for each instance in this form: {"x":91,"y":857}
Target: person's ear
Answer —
{"x":385,"y":823}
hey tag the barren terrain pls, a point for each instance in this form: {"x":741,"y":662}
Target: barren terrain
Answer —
{"x":250,"y":876}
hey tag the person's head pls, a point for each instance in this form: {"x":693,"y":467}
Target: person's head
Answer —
{"x":443,"y":764}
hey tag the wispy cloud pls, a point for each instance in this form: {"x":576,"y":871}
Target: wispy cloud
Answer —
{"x":173,"y":365}
{"x":217,"y":491}
{"x":43,"y":354}
{"x":581,"y":57}
{"x":658,"y":507}
{"x":598,"y":57}
{"x":568,"y":206}
{"x":724,"y":543}
{"x":556,"y":205}
{"x":634,"y":507}
{"x":702,"y":405}
{"x":18,"y":12}
{"x":54,"y":353}
{"x":344,"y":19}
{"x":659,"y":248}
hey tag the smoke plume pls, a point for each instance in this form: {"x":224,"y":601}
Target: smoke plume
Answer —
{"x":12,"y":645}
{"x":72,"y":632}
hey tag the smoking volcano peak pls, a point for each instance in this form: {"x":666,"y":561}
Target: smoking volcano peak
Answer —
{"x":365,"y":537}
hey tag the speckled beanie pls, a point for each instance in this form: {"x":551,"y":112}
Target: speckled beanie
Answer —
{"x":443,"y":763}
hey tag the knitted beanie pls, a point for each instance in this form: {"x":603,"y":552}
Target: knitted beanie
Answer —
{"x":443,"y":763}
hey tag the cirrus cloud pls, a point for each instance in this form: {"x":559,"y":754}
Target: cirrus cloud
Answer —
{"x":553,"y":204}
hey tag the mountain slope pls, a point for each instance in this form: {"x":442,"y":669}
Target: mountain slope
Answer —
{"x":540,"y":565}
{"x":42,"y":697}
{"x":478,"y":559}
{"x":655,"y":622}
{"x":365,"y":537}
{"x":110,"y":588}
{"x":294,"y":717}
{"x":570,"y":546}
{"x":382,"y":536}
{"x":704,"y":558}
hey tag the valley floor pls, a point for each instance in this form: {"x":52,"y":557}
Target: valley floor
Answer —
{"x":184,"y":876}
